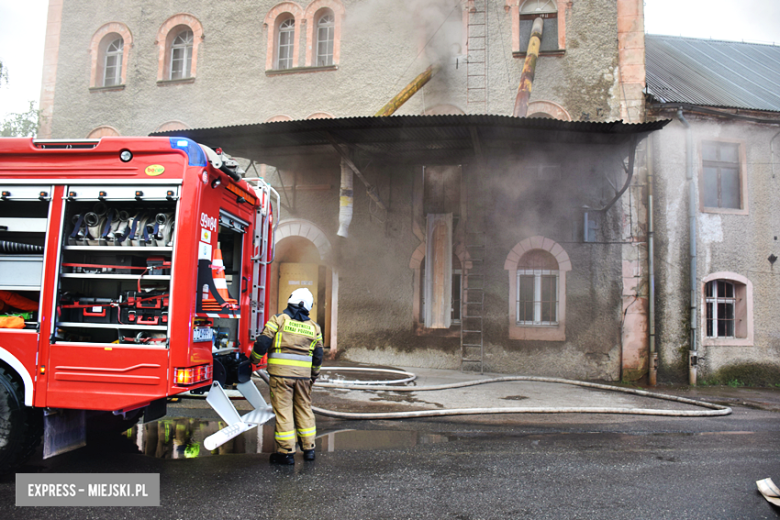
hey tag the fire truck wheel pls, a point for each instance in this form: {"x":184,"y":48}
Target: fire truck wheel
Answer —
{"x":21,"y":428}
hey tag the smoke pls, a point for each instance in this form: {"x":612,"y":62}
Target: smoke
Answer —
{"x":435,"y":27}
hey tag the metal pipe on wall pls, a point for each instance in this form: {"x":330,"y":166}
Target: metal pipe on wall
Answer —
{"x":653,"y":374}
{"x":345,"y":199}
{"x":529,"y":68}
{"x":693,"y":354}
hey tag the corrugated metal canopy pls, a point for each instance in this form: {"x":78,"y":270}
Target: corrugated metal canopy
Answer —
{"x":713,"y":73}
{"x":406,"y":137}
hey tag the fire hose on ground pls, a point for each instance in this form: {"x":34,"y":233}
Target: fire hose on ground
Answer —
{"x":714,"y":409}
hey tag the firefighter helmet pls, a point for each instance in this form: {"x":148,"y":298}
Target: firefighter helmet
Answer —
{"x":301,"y":296}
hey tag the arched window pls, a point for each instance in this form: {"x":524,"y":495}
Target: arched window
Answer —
{"x":181,"y":55}
{"x":537,"y":269}
{"x":110,"y":49}
{"x":460,"y":262}
{"x":178,"y":39}
{"x":548,"y":109}
{"x":113,"y":63}
{"x":533,"y":9}
{"x":553,"y":12}
{"x":284,"y":22}
{"x":537,"y":289}
{"x":285,"y":44}
{"x":326,"y":26}
{"x":728,"y":310}
{"x":102,"y":131}
{"x":322,"y":22}
{"x":171,"y":125}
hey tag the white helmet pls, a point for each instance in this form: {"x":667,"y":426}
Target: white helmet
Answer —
{"x":303,"y":296}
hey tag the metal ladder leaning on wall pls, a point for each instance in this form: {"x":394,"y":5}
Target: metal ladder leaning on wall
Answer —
{"x":473,"y":286}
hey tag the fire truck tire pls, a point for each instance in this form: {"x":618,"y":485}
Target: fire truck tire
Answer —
{"x":21,"y":428}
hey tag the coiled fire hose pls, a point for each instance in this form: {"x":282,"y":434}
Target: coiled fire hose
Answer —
{"x":7,"y":247}
{"x":714,"y":409}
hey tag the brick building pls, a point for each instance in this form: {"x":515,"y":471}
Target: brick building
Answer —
{"x":556,"y":203}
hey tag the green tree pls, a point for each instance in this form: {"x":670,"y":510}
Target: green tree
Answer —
{"x":3,"y":74}
{"x":24,"y":124}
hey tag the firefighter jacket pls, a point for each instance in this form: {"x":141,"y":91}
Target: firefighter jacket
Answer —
{"x":293,"y":343}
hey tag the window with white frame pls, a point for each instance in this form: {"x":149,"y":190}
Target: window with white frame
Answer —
{"x":285,"y":44}
{"x":181,"y":55}
{"x":112,"y":68}
{"x":326,"y":26}
{"x":537,"y":289}
{"x":721,"y":301}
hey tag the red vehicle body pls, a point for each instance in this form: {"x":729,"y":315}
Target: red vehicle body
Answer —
{"x":124,"y":324}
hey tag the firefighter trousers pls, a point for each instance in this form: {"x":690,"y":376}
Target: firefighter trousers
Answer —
{"x":291,"y":400}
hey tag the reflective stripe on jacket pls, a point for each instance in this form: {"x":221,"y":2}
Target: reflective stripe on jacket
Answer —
{"x":295,"y":349}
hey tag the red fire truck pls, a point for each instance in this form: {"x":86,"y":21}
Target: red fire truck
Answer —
{"x":131,"y":270}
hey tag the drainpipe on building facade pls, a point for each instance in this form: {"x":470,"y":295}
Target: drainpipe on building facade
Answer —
{"x":693,"y":354}
{"x":653,"y":376}
{"x":345,"y":199}
{"x":529,"y":68}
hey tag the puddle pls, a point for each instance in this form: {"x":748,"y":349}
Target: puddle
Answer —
{"x":514,"y":397}
{"x":183,"y":438}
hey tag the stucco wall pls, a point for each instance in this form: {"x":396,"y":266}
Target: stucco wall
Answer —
{"x":376,"y":288}
{"x":383,"y":46}
{"x":738,"y":243}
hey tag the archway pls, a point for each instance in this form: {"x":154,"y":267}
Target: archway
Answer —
{"x":302,"y":260}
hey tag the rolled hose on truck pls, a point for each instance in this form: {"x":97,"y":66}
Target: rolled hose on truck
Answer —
{"x":10,"y":248}
{"x":714,"y":409}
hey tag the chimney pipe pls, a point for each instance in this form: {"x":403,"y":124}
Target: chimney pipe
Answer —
{"x":529,"y":66}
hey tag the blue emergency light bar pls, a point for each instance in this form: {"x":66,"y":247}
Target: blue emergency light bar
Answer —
{"x":193,"y":150}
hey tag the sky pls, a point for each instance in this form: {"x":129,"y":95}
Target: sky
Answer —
{"x":23,"y":30}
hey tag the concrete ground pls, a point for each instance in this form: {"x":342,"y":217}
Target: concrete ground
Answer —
{"x":534,"y":466}
{"x":531,"y":394}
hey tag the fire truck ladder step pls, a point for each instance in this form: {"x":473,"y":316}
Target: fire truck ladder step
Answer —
{"x":237,"y":424}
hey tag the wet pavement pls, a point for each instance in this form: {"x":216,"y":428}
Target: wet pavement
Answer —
{"x":471,"y":467}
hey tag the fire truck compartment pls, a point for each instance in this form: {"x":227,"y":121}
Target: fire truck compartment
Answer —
{"x":117,"y":242}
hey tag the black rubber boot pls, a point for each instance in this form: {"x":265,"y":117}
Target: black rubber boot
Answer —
{"x":308,"y":454}
{"x":282,"y":458}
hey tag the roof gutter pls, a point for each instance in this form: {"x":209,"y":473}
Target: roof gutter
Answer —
{"x":698,"y":109}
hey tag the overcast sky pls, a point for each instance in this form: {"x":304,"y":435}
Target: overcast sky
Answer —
{"x":23,"y":29}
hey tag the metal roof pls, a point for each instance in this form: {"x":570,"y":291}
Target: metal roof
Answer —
{"x":713,"y":73}
{"x":407,"y":137}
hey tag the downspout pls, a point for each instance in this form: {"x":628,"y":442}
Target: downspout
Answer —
{"x":693,"y":354}
{"x":529,"y":68}
{"x":345,"y":199}
{"x":653,"y":377}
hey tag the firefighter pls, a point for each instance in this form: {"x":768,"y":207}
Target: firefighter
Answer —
{"x":294,"y":346}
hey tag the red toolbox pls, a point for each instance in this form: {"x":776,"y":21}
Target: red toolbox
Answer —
{"x":88,"y":310}
{"x":130,"y":316}
{"x":145,"y":299}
